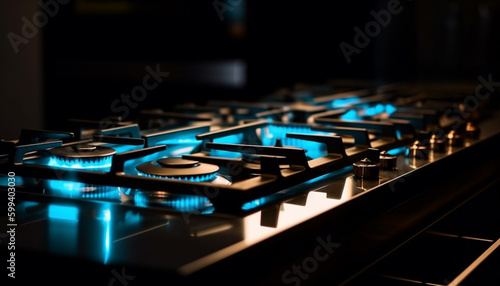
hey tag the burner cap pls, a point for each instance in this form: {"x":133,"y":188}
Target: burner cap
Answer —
{"x":176,"y":162}
{"x":180,"y":169}
{"x":83,"y":151}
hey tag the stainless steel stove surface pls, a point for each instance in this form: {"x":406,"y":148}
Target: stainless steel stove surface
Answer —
{"x":313,"y":186}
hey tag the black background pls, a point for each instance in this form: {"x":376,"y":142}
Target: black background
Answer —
{"x":90,"y":57}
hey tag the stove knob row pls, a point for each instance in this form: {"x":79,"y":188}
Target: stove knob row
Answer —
{"x":426,"y":142}
{"x":454,"y":138}
{"x":370,"y":169}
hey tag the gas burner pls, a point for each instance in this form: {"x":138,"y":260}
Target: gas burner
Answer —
{"x":82,"y":156}
{"x":179,"y":169}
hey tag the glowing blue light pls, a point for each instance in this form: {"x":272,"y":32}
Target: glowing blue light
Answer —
{"x":99,"y":164}
{"x":125,"y":191}
{"x":374,"y":110}
{"x":141,"y":200}
{"x":188,"y":203}
{"x":273,"y":132}
{"x":125,"y":148}
{"x":350,"y":115}
{"x":367,"y":110}
{"x":4,"y":181}
{"x":390,"y":109}
{"x":111,"y":194}
{"x":63,"y":212}
{"x":397,"y":151}
{"x":203,"y":178}
{"x":207,"y":210}
{"x":181,"y":151}
{"x":379,"y":108}
{"x":196,"y":204}
{"x":133,"y":218}
{"x":398,"y":134}
{"x":26,"y":205}
{"x":180,"y":146}
{"x":82,"y":190}
{"x":343,"y":102}
{"x":230,"y":139}
{"x":107,"y":220}
{"x":254,"y":204}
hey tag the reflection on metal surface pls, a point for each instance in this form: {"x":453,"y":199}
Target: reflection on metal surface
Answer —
{"x":363,"y":184}
{"x":107,"y":224}
{"x":62,"y":235}
{"x":63,"y":212}
{"x":204,"y":230}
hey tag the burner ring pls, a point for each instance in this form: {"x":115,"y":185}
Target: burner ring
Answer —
{"x":81,"y":156}
{"x":180,"y":169}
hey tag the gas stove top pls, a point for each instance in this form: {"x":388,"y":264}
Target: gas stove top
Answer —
{"x":209,"y":191}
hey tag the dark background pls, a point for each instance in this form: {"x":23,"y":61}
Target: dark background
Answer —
{"x":91,"y":52}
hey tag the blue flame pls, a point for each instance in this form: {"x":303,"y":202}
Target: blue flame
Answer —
{"x":374,"y":110}
{"x":343,"y":102}
{"x":350,"y":115}
{"x":99,"y":164}
{"x":390,"y":109}
{"x":379,"y":109}
{"x":202,"y":178}
{"x":254,"y":204}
